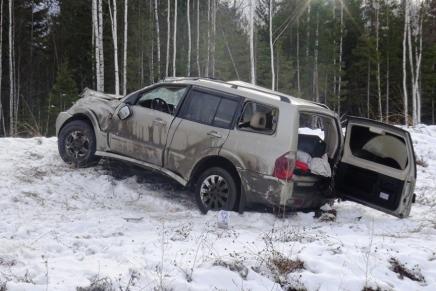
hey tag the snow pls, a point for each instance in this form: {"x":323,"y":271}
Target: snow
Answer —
{"x":63,"y":228}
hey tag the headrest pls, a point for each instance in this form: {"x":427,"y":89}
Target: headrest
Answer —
{"x":258,"y":120}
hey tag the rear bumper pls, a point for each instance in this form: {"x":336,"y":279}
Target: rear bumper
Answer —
{"x":294,"y":195}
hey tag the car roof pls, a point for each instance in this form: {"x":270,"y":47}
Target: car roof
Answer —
{"x":251,"y":91}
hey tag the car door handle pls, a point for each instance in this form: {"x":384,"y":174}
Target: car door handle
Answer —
{"x":214,"y":134}
{"x":159,"y":122}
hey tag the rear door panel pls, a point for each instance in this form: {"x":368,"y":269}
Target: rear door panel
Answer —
{"x":378,"y":178}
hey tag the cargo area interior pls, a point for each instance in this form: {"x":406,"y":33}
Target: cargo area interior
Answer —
{"x":318,"y":145}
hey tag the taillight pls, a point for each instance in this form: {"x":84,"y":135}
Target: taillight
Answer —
{"x":284,"y":167}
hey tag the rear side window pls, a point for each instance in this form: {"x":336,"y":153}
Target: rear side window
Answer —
{"x":209,"y":109}
{"x":258,"y":118}
{"x":379,"y":147}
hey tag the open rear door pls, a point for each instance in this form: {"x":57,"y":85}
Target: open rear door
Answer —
{"x":377,"y":167}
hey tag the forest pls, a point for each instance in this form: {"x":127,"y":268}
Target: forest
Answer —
{"x":371,"y":58}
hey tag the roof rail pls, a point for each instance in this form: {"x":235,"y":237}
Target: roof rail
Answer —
{"x":234,"y":86}
{"x":319,"y":104}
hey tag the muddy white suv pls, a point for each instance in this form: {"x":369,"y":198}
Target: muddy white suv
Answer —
{"x":237,"y":143}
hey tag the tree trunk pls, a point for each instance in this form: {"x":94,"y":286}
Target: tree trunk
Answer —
{"x":412,"y":68}
{"x":126,"y":7}
{"x":2,"y":116}
{"x":113,"y":16}
{"x":100,"y":41}
{"x":12,"y":100}
{"x":198,"y":39}
{"x":368,"y":89}
{"x":168,"y":38}
{"x":405,"y":97}
{"x":315,"y":61}
{"x":188,"y":11}
{"x":213,"y":37}
{"x":208,"y":40}
{"x":387,"y":71}
{"x":341,"y":37}
{"x":298,"y":57}
{"x":377,"y":49}
{"x":96,"y":42}
{"x":252,"y":61}
{"x":175,"y":39}
{"x":271,"y":47}
{"x":156,"y":20}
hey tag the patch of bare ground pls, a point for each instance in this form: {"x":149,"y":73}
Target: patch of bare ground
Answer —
{"x":103,"y":284}
{"x":413,"y":274}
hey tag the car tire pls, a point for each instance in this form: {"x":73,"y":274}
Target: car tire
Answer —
{"x":216,"y":189}
{"x":77,"y":144}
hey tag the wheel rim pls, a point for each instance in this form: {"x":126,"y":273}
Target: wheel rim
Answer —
{"x":214,"y":192}
{"x":77,"y":145}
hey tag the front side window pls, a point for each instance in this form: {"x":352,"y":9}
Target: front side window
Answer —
{"x":209,"y":109}
{"x":163,"y":98}
{"x":258,"y":118}
{"x":378,"y":146}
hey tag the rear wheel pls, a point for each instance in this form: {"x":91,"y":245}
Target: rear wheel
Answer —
{"x":77,"y":144}
{"x":216,"y":190}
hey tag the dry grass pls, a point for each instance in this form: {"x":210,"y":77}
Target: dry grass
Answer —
{"x":104,"y":284}
{"x":285,"y":265}
{"x":421,"y":162}
{"x":413,"y":274}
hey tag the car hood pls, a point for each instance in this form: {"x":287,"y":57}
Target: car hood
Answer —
{"x":99,"y":104}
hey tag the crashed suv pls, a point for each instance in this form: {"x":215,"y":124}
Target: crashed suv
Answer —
{"x":237,"y":144}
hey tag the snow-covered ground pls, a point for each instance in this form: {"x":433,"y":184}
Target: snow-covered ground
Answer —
{"x":63,"y":228}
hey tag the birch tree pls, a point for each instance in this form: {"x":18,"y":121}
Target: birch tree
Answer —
{"x":126,"y":5}
{"x":405,"y":96}
{"x":377,"y":52}
{"x":271,"y":47}
{"x":99,"y":39}
{"x":387,"y":71}
{"x":213,"y":44}
{"x":188,"y":19}
{"x":113,"y":17}
{"x":198,"y":39}
{"x":12,"y":101}
{"x":96,"y":44}
{"x":2,"y":116}
{"x":315,"y":61}
{"x":341,"y":36}
{"x":298,"y":56}
{"x":208,"y":40}
{"x":156,"y":21}
{"x":167,"y":64}
{"x":175,"y":39}
{"x":252,"y":61}
{"x":415,"y":56}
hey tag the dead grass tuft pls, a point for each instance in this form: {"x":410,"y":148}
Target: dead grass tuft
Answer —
{"x":413,"y":274}
{"x":104,"y":284}
{"x":421,"y":162}
{"x":285,"y":265}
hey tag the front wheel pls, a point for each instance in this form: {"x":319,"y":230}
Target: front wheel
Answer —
{"x":77,"y":144}
{"x":216,"y":190}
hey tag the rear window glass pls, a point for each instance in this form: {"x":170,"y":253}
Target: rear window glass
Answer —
{"x":200,"y":107}
{"x":226,"y":111}
{"x":378,"y":146}
{"x":258,"y":118}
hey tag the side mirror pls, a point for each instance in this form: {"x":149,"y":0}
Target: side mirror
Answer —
{"x":124,"y":112}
